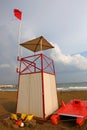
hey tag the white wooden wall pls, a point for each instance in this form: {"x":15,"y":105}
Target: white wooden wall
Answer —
{"x":30,"y":94}
{"x":50,"y":94}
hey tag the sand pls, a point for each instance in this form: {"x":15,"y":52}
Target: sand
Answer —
{"x":8,"y":105}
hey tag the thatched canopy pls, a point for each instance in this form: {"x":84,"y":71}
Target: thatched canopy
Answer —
{"x":37,"y":44}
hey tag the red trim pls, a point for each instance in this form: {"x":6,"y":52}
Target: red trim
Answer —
{"x":35,"y":73}
{"x":43,"y":103}
{"x":18,"y":87}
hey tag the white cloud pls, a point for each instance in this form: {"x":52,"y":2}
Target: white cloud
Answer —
{"x":75,"y":60}
{"x":4,"y":66}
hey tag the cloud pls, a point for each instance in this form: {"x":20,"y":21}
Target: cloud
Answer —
{"x":4,"y":66}
{"x":77,"y":60}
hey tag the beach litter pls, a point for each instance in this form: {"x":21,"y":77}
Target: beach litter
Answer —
{"x":75,"y":108}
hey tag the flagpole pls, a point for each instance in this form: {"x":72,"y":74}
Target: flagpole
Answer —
{"x":18,"y":15}
{"x":19,"y":47}
{"x":19,"y":35}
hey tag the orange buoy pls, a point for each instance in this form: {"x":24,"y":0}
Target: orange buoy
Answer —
{"x":18,"y":123}
{"x":54,"y":119}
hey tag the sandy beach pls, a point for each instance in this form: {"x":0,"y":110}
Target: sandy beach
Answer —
{"x":8,"y":105}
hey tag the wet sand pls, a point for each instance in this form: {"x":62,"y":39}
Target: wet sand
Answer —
{"x":8,"y":105}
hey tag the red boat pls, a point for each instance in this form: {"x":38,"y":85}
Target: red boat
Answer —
{"x":75,"y":108}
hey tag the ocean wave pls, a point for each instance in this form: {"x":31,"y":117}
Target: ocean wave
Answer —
{"x":8,"y":89}
{"x":71,"y":88}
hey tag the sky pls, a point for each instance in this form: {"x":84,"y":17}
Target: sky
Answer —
{"x":61,"y":22}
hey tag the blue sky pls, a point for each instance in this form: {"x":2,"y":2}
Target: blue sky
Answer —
{"x":62,"y":22}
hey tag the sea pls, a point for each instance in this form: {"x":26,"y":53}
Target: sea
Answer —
{"x":6,"y":87}
{"x":60,"y":87}
{"x":72,"y":86}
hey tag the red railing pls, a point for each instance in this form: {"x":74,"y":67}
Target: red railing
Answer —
{"x":36,"y":63}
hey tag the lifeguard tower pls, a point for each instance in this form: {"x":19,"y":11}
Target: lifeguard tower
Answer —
{"x":37,"y":92}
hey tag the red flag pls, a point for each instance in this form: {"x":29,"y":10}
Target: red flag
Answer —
{"x":18,"y":14}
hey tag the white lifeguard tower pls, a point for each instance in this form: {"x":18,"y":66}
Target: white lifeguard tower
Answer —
{"x":37,"y":92}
